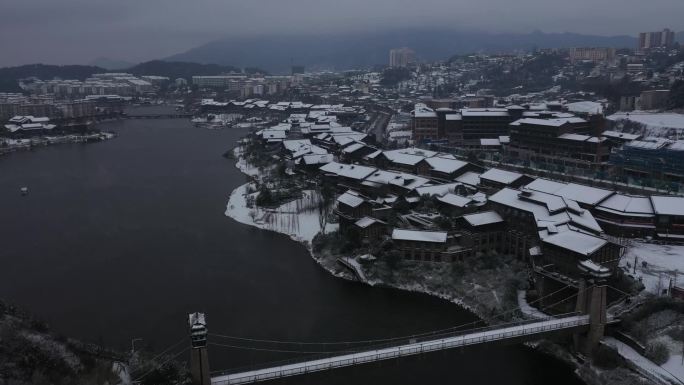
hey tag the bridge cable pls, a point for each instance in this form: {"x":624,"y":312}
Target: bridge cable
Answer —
{"x":276,"y":350}
{"x":356,"y":342}
{"x":184,"y":339}
{"x":363,"y":348}
{"x":162,"y":364}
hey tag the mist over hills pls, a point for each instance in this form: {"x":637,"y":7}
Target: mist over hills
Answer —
{"x":357,"y":50}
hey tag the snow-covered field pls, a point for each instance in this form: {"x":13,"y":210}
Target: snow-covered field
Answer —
{"x":662,"y":263}
{"x":300,"y":219}
{"x":655,"y":124}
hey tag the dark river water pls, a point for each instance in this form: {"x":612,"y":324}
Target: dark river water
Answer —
{"x":121,"y":239}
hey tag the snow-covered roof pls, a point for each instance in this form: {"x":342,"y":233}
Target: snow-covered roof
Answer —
{"x":470,"y":178}
{"x":343,"y":139}
{"x":445,"y":165}
{"x":273,"y":134}
{"x":627,"y":205}
{"x":353,"y":147}
{"x":480,"y":112}
{"x":584,"y":194}
{"x":539,"y":205}
{"x":401,"y":158}
{"x":367,"y":221}
{"x":500,"y":176}
{"x":311,"y":159}
{"x":545,"y":185}
{"x":454,"y":200}
{"x":296,"y":144}
{"x":575,"y":137}
{"x":420,"y":236}
{"x":351,"y":199}
{"x":577,"y":192}
{"x":668,"y":205}
{"x":557,"y":122}
{"x":413,"y":151}
{"x":576,"y":241}
{"x":483,"y":218}
{"x":422,"y":111}
{"x":439,"y":189}
{"x":348,"y":170}
{"x":401,"y":179}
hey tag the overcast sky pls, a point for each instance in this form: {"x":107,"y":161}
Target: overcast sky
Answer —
{"x":78,"y":31}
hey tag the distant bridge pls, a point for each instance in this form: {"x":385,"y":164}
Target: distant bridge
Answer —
{"x":158,"y":116}
{"x":512,"y":333}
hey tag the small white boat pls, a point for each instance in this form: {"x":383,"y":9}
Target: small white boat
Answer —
{"x":24,"y":191}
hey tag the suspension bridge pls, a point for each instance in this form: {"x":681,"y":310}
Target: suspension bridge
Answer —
{"x":586,"y":324}
{"x":512,"y":333}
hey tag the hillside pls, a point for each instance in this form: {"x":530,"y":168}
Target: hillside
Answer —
{"x":32,"y":354}
{"x":356,"y":50}
{"x":178,"y":69}
{"x":10,"y":75}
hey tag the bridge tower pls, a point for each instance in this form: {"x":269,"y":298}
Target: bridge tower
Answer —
{"x":199,"y":358}
{"x":591,"y":300}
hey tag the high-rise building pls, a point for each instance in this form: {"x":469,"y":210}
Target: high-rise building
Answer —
{"x":660,"y":39}
{"x":596,"y":55}
{"x":401,"y":57}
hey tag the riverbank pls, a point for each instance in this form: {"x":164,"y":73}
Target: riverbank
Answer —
{"x":8,"y":145}
{"x":489,"y":287}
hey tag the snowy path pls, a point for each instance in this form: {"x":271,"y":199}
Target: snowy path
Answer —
{"x":643,"y":364}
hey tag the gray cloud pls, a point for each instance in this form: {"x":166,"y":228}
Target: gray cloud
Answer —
{"x":76,"y":31}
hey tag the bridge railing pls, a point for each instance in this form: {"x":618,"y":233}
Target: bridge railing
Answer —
{"x":402,"y":347}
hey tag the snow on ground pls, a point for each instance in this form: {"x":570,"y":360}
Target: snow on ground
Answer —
{"x":354,"y":264}
{"x":675,"y":366}
{"x":242,"y":164}
{"x":300,"y":219}
{"x":643,"y":364}
{"x":526,"y":309}
{"x":662,"y":262}
{"x":121,"y":371}
{"x":656,"y":124}
{"x":54,"y":350}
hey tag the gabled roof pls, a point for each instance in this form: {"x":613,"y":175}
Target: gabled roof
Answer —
{"x":296,"y":145}
{"x":576,"y":241}
{"x":454,"y":200}
{"x":470,"y":178}
{"x":445,"y":165}
{"x":538,"y":205}
{"x":501,"y":176}
{"x":351,"y":171}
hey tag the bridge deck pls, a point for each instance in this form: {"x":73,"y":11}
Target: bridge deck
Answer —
{"x":526,"y":330}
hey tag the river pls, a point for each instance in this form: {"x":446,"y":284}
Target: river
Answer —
{"x":121,"y":239}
